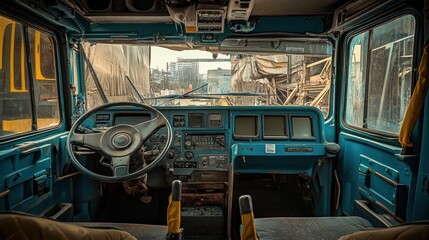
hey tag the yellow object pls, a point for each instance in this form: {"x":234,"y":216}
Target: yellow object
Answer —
{"x":416,"y":102}
{"x":173,"y":216}
{"x":191,"y":29}
{"x":24,"y":125}
{"x":248,"y":224}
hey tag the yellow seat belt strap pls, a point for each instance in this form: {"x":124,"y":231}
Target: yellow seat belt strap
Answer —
{"x":248,"y":231}
{"x":173,"y":212}
{"x":248,"y":224}
{"x":173,"y":216}
{"x":416,"y":102}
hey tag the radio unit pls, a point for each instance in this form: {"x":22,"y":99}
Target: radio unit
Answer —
{"x":204,"y":141}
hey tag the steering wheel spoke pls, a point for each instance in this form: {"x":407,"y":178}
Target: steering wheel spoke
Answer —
{"x":120,"y":166}
{"x":150,"y":127}
{"x":91,"y":140}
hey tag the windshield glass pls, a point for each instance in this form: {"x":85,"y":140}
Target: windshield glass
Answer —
{"x":164,"y":77}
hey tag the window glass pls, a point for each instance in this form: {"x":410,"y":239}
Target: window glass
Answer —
{"x":15,"y":104}
{"x":162,"y":75}
{"x":379,"y":76}
{"x":44,"y":78}
{"x":16,"y":114}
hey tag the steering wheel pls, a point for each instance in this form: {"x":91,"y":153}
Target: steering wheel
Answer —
{"x":119,"y":142}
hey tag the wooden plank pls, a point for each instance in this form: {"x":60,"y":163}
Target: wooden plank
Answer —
{"x":318,"y":62}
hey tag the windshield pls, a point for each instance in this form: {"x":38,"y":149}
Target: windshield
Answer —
{"x":164,"y":77}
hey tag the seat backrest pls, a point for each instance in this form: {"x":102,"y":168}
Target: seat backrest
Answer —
{"x":15,"y":226}
{"x":418,"y":231}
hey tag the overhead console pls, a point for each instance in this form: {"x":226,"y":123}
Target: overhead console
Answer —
{"x":197,"y":16}
{"x":107,"y":11}
{"x":205,"y":16}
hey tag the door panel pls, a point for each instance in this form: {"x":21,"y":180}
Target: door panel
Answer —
{"x":27,"y":174}
{"x":377,"y":181}
{"x":372,"y":172}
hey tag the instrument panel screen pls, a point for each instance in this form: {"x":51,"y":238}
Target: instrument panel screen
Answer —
{"x":246,"y":126}
{"x":302,"y":127}
{"x":196,"y":120}
{"x":275,"y":126}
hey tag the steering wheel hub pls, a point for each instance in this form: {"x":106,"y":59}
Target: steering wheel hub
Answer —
{"x":121,"y":140}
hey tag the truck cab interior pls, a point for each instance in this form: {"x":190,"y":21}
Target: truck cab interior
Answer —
{"x":214,"y":119}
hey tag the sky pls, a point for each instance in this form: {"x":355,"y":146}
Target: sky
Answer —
{"x":160,"y":56}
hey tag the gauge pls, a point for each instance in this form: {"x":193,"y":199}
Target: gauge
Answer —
{"x":215,"y":120}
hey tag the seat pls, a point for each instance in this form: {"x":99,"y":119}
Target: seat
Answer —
{"x":309,"y":227}
{"x":18,"y":226}
{"x":139,"y":231}
{"x":325,"y":228}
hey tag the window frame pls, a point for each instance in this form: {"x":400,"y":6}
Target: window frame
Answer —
{"x":347,"y":56}
{"x":26,"y":25}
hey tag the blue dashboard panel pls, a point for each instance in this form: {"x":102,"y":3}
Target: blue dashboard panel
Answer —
{"x":276,"y":158}
{"x":288,"y":140}
{"x":254,"y":139}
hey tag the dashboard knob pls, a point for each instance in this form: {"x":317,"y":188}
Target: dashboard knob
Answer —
{"x":171,"y":154}
{"x":189,"y":155}
{"x":188,"y":143}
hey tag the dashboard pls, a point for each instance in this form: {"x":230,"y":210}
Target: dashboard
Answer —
{"x":254,"y":139}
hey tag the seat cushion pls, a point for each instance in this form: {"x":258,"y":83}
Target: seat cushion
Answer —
{"x":23,"y":227}
{"x":323,"y":228}
{"x":139,"y":231}
{"x":417,"y":231}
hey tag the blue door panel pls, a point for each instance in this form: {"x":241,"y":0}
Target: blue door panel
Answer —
{"x":373,"y":172}
{"x":31,"y":175}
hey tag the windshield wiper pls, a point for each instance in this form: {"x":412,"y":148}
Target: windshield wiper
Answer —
{"x":172,"y":97}
{"x":94,"y":76}
{"x":186,"y":94}
{"x":239,"y":94}
{"x":211,"y":95}
{"x":140,"y":96}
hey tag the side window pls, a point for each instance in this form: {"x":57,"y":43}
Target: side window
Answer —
{"x":15,"y":99}
{"x":44,"y":78}
{"x":379,"y":76}
{"x":16,"y":77}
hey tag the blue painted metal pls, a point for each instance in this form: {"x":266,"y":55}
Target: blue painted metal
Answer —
{"x":362,"y":154}
{"x":167,"y":32}
{"x":57,"y":14}
{"x":253,"y":158}
{"x":420,"y":202}
{"x":368,"y":161}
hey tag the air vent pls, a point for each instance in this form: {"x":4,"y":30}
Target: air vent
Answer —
{"x":98,"y":5}
{"x":141,"y":5}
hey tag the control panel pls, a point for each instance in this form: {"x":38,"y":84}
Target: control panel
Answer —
{"x":215,"y":120}
{"x":204,"y":141}
{"x":218,"y":161}
{"x":204,"y":162}
{"x":201,"y":162}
